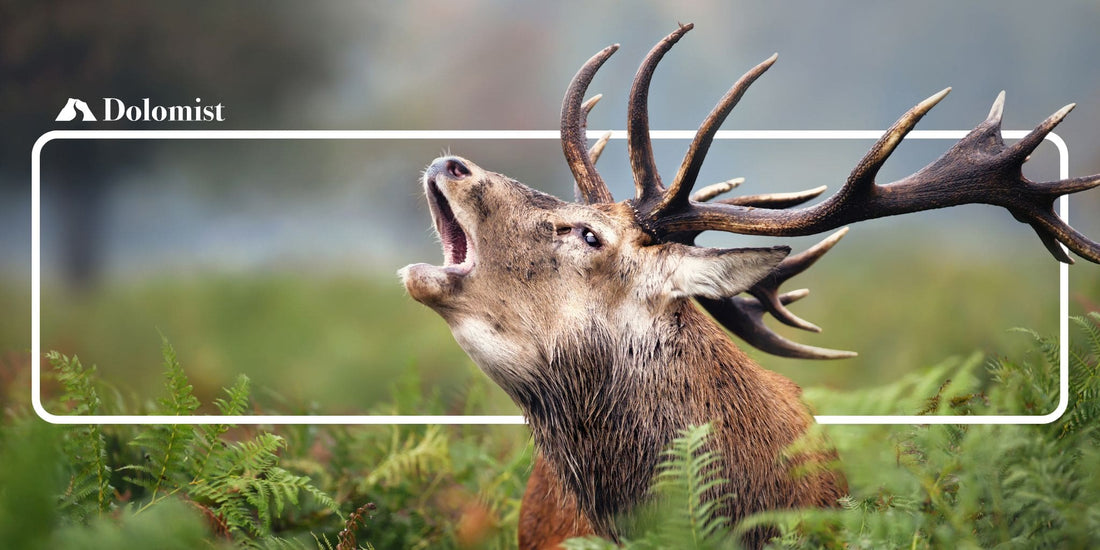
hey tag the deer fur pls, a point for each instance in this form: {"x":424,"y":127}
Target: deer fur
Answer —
{"x":604,"y":351}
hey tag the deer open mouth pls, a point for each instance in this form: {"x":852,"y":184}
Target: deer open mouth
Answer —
{"x":457,"y":249}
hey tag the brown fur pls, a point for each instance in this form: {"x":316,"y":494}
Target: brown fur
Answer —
{"x":548,"y":515}
{"x":607,"y":356}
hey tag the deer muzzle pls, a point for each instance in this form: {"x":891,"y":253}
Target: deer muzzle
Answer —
{"x":442,"y":180}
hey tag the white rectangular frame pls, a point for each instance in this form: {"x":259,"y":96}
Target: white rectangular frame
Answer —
{"x":36,"y":268}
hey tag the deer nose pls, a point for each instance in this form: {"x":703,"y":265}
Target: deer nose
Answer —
{"x":452,"y":167}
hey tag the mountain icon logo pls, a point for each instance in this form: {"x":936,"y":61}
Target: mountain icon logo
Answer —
{"x":68,"y":112}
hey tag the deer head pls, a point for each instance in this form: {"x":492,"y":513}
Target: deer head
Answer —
{"x":525,"y":273}
{"x":582,"y":311}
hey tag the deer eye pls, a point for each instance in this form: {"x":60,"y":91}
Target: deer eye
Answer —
{"x":590,"y":238}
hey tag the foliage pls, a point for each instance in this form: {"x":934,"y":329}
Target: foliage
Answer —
{"x":685,"y":478}
{"x":680,"y":514}
{"x":90,"y":490}
{"x":941,"y":486}
{"x":182,"y":486}
{"x":983,"y":485}
{"x":433,"y":486}
{"x":237,"y":486}
{"x":115,"y":484}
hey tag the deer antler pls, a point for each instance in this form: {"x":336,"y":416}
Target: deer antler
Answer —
{"x":574,"y":114}
{"x":979,"y":168}
{"x":744,"y":316}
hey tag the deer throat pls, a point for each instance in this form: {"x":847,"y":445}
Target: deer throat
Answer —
{"x":603,"y":414}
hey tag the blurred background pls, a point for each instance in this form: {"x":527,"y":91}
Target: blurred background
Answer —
{"x":276,"y":259}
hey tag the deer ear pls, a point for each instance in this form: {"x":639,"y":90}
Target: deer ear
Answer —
{"x":718,"y":273}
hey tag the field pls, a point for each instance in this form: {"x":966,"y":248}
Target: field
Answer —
{"x":340,"y":344}
{"x":335,"y":343}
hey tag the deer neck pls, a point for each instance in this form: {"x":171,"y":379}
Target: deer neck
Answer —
{"x":602,"y":414}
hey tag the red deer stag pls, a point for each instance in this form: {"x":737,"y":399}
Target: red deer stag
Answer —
{"x":583,"y":313}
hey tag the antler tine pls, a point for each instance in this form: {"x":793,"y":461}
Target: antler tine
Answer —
{"x":1048,"y":240}
{"x":1032,"y":140}
{"x":766,"y":200}
{"x":678,"y":192}
{"x":767,"y":290}
{"x":862,"y":178}
{"x":594,"y":153}
{"x":745,"y":318}
{"x":1052,"y":230}
{"x":647,"y":183}
{"x":596,"y":150}
{"x":775,"y":200}
{"x":588,"y":105}
{"x":997,"y":110}
{"x":574,"y":142}
{"x":713,"y":190}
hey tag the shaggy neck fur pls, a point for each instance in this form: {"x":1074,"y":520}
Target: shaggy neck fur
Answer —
{"x":602,"y":411}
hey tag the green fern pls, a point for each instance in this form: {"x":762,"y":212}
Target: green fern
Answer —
{"x":246,"y":488}
{"x":238,"y":485}
{"x":90,"y":491}
{"x":977,"y":486}
{"x":1084,"y":382}
{"x":208,"y":438}
{"x":411,"y":456}
{"x":167,"y":446}
{"x":686,"y":478}
{"x":683,"y":510}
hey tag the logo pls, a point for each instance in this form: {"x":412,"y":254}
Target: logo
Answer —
{"x":68,"y":112}
{"x":115,"y":109}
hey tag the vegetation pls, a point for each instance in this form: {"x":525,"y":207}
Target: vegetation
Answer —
{"x":309,"y":486}
{"x":320,"y":342}
{"x":175,"y":485}
{"x":945,"y":486}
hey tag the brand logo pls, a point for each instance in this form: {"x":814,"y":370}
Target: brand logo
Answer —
{"x":68,"y":112}
{"x":115,"y":109}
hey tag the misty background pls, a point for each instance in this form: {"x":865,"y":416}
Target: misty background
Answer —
{"x":277,"y":258}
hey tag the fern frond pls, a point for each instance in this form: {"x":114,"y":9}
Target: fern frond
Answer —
{"x":1048,"y":347}
{"x":684,"y":511}
{"x":209,"y":436}
{"x":237,"y":402}
{"x":1084,"y":382}
{"x":247,"y":489}
{"x":687,"y":480}
{"x":90,"y":488}
{"x":412,"y":457}
{"x":180,"y":400}
{"x":168,"y":446}
{"x":1090,"y":324}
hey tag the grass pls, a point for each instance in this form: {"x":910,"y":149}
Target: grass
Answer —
{"x":348,"y":344}
{"x":333,"y":343}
